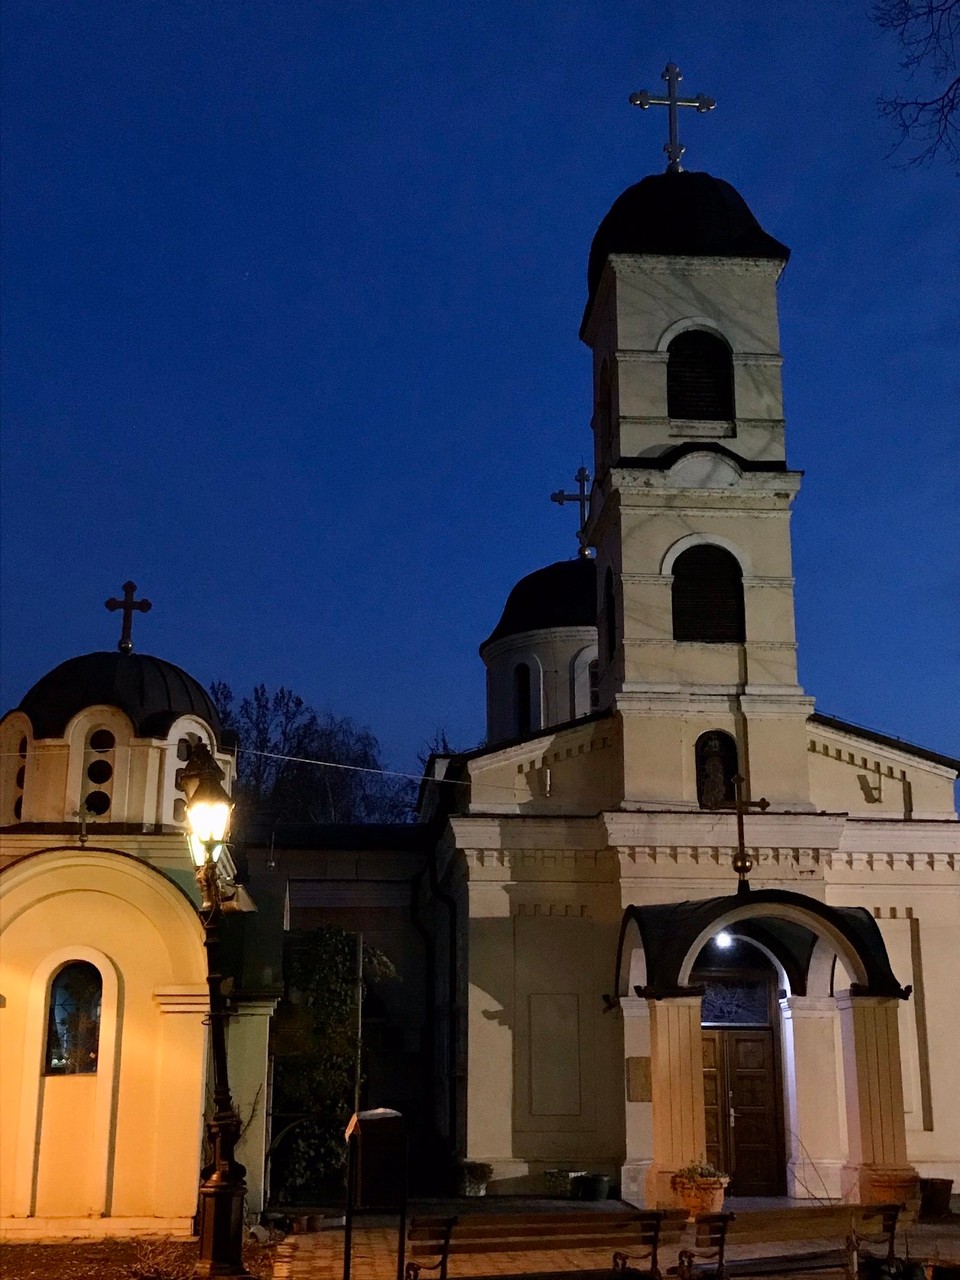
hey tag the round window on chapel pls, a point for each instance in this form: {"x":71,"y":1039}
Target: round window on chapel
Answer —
{"x":100,"y":771}
{"x":97,"y":802}
{"x":102,"y":740}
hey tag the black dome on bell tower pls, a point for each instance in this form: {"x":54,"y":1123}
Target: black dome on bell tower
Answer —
{"x":680,"y":215}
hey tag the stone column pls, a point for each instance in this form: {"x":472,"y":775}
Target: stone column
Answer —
{"x":174,"y":1122}
{"x":638,"y":1102}
{"x":248,"y":1041}
{"x":816,"y":1133}
{"x":877,"y":1170}
{"x":676,"y":1061}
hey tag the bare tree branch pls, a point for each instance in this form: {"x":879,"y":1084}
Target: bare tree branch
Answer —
{"x":280,"y":738}
{"x":929,"y":33}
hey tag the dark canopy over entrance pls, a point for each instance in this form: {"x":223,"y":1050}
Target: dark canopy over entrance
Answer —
{"x":786,"y":925}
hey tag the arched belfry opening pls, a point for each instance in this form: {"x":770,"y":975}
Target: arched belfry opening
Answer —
{"x":791,"y":1010}
{"x":699,"y":377}
{"x":708,"y":596}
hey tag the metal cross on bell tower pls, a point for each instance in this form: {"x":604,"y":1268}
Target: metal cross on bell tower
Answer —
{"x":129,"y":606}
{"x":742,"y":861}
{"x":583,"y":479}
{"x":674,"y":148}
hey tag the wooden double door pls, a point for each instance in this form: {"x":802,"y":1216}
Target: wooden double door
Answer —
{"x":744,"y":1110}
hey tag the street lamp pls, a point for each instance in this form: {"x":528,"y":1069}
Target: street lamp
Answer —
{"x":222,"y":1185}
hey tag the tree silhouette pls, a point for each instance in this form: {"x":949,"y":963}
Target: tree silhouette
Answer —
{"x":295,"y":764}
{"x":928,"y":32}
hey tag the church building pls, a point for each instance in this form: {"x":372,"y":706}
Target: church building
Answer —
{"x":668,"y":912}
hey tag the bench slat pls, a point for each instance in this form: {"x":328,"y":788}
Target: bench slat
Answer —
{"x":627,"y":1231}
{"x":492,"y":1220}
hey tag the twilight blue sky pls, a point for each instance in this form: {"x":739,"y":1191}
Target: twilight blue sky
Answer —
{"x":292,"y":293}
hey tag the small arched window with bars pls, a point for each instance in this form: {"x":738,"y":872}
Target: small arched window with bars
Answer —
{"x":73,"y":1020}
{"x":708,"y":596}
{"x":699,"y":377}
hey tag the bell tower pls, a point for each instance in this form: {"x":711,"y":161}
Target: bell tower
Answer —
{"x":691,"y":506}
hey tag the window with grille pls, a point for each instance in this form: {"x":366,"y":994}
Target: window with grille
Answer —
{"x":699,"y":377}
{"x":73,"y":1022}
{"x":593,"y":675}
{"x":708,"y":596}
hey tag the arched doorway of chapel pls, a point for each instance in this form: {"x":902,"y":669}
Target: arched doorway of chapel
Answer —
{"x":742,"y":1065}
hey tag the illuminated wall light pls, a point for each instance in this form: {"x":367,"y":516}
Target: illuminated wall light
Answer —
{"x":723,"y":939}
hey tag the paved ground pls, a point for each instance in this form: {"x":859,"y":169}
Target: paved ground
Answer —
{"x":319,"y":1255}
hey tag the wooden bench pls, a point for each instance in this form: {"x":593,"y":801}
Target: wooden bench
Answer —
{"x":634,"y":1236}
{"x":860,"y":1230}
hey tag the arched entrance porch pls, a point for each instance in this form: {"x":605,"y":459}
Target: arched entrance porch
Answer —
{"x":836,"y":1064}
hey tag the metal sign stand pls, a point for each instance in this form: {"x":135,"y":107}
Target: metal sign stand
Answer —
{"x":376,"y":1175}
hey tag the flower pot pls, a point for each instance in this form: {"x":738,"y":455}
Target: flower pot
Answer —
{"x":699,"y":1195}
{"x":473,"y":1177}
{"x":561,"y":1182}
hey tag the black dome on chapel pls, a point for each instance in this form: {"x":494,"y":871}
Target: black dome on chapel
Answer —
{"x":682,"y":214}
{"x":152,"y":692}
{"x":560,"y":595}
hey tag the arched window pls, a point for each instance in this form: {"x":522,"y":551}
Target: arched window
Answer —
{"x":717,"y":766}
{"x":521,"y":698}
{"x":603,"y":409}
{"x":584,"y":677}
{"x":708,"y":596}
{"x":609,"y":616}
{"x":73,"y":1022}
{"x":699,"y":377}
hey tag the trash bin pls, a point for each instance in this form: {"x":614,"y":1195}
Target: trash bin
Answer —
{"x":935,"y":1197}
{"x":589,"y":1186}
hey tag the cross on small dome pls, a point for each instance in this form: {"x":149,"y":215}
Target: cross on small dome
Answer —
{"x":129,"y":606}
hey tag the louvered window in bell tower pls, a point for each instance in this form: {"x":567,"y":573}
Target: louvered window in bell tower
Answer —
{"x":708,"y":596}
{"x":699,"y":377}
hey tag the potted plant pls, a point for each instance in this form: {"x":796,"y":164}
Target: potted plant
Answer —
{"x":474,"y":1176}
{"x":699,"y":1187}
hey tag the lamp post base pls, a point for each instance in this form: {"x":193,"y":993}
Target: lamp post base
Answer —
{"x":221,"y":1230}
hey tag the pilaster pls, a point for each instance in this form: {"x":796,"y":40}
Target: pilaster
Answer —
{"x":816,"y":1135}
{"x":676,"y":1061}
{"x":877,"y":1170}
{"x":638,"y":1102}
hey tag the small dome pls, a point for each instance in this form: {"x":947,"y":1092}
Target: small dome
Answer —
{"x":560,"y":595}
{"x":153,"y":693}
{"x":683,"y":215}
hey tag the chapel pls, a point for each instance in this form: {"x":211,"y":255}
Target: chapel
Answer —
{"x":667,"y":912}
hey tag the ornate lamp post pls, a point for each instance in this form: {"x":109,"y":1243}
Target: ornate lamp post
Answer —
{"x":222,"y":1185}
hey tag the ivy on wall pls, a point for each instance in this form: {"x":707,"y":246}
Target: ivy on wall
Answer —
{"x":314,"y":1062}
